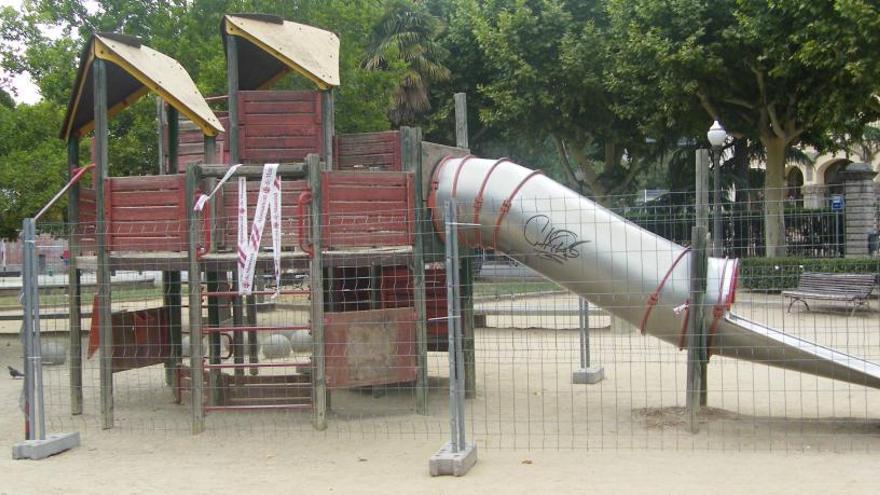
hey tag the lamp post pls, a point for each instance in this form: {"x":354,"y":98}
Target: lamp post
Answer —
{"x":716,"y":135}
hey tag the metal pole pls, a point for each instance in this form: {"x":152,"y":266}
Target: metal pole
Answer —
{"x":717,"y":233}
{"x":27,"y":238}
{"x":36,"y":343}
{"x":584,"y":321}
{"x":459,"y":341}
{"x":451,"y":316}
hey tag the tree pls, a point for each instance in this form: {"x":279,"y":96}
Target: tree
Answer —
{"x":184,"y":29}
{"x":544,"y":63}
{"x":32,"y":168}
{"x":782,"y":73}
{"x":408,"y":32}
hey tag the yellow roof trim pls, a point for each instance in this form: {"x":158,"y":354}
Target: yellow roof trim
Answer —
{"x":79,"y":132}
{"x":236,"y":31}
{"x":104,"y":52}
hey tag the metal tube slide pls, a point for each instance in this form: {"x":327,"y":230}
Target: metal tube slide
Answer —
{"x":632,"y":273}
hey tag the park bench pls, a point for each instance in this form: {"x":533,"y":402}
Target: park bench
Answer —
{"x":850,"y":288}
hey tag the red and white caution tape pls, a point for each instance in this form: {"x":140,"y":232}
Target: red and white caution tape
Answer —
{"x":269,"y":201}
{"x":204,"y":198}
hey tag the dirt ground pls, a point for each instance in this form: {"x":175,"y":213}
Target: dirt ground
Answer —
{"x":765,"y":430}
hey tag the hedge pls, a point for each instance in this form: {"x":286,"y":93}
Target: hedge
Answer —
{"x":776,"y":274}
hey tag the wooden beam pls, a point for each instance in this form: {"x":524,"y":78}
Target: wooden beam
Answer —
{"x":232,"y":100}
{"x":195,"y":304}
{"x":411,"y":151}
{"x":316,"y":285}
{"x":171,"y":280}
{"x":461,"y":120}
{"x":105,"y":329}
{"x":327,"y":127}
{"x":288,"y":171}
{"x":74,"y":283}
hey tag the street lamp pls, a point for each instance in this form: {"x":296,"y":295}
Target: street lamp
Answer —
{"x":716,"y":135}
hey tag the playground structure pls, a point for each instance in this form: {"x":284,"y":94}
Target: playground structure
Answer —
{"x":354,"y":227}
{"x":355,"y":213}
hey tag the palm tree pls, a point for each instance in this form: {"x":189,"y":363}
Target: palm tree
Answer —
{"x":408,"y":33}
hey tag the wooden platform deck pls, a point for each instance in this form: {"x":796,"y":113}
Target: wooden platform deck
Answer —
{"x":178,"y":260}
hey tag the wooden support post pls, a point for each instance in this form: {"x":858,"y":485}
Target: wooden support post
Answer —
{"x":171,"y":280}
{"x":232,"y":97}
{"x":696,"y":341}
{"x":162,"y":135}
{"x":411,"y":147}
{"x":327,"y":126}
{"x":74,"y":286}
{"x":213,"y":283}
{"x":237,"y":321}
{"x":105,"y":329}
{"x":468,"y":272}
{"x":316,"y":282}
{"x":195,"y":303}
{"x":461,"y":120}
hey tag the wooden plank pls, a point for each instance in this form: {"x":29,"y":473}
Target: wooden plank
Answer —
{"x":254,"y":108}
{"x":366,"y":147}
{"x":145,"y":183}
{"x":130,"y":199}
{"x":150,"y":244}
{"x":373,"y":207}
{"x":282,"y":120}
{"x":367,"y":239}
{"x":275,"y":95}
{"x":146,"y":214}
{"x":365,"y":192}
{"x":376,"y":178}
{"x":280,"y":142}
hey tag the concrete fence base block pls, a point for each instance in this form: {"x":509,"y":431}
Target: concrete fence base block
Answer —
{"x":588,"y":376}
{"x":446,"y":462}
{"x":41,"y":449}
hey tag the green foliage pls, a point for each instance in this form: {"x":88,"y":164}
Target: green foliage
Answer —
{"x":776,"y":274}
{"x":32,"y":168}
{"x":407,"y":33}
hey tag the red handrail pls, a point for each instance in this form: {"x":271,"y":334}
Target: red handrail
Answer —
{"x":305,"y":197}
{"x":80,"y":171}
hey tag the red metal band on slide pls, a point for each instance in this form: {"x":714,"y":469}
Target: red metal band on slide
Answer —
{"x":718,"y":309}
{"x":684,"y":325}
{"x":655,"y":296}
{"x":432,"y":197}
{"x":478,"y":201}
{"x":505,"y":207}
{"x":457,"y":173}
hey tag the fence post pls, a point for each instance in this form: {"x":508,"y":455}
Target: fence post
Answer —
{"x":74,"y":286}
{"x":586,"y":374}
{"x":456,"y":457}
{"x":316,"y":281}
{"x":36,"y":444}
{"x":696,"y":341}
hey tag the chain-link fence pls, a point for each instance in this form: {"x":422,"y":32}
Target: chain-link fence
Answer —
{"x":779,"y":377}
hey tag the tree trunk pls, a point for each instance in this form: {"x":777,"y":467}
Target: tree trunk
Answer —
{"x":774,"y":196}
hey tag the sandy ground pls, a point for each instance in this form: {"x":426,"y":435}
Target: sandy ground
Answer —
{"x":765,"y":431}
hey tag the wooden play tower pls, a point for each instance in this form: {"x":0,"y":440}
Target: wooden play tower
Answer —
{"x":353,"y":217}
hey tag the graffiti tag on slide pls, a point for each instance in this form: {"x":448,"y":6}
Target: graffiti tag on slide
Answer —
{"x":550,"y":242}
